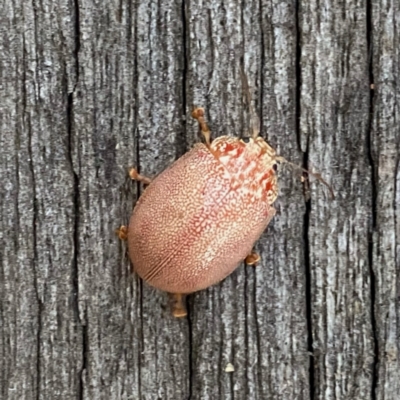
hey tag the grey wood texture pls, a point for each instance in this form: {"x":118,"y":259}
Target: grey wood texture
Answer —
{"x":88,"y":89}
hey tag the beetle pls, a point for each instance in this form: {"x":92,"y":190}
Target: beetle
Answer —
{"x":200,"y":218}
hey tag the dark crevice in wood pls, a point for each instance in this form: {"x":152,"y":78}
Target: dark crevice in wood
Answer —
{"x":190,"y":343}
{"x":139,"y":286}
{"x":77,"y":35}
{"x":75,"y":268}
{"x":231,"y":377}
{"x":76,"y":209}
{"x":139,"y":281}
{"x":298,"y":74}
{"x":258,"y":339}
{"x":307,"y":214}
{"x":39,"y":332}
{"x":136,"y":135}
{"x":180,"y":151}
{"x":244,"y":121}
{"x":374,"y":382}
{"x":371,"y":110}
{"x":181,"y":147}
{"x":369,"y":27}
{"x":246,"y":331}
{"x":397,"y":260}
{"x":35,"y":204}
{"x":136,"y":139}
{"x":39,"y":303}
{"x":85,"y":351}
{"x":212,"y":63}
{"x":219,"y":354}
{"x":261,"y":120}
{"x":34,"y":261}
{"x":135,"y":77}
{"x":308,"y":284}
{"x":262,"y":56}
{"x":373,"y":285}
{"x":141,"y":342}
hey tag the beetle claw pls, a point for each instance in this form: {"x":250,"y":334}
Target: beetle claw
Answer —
{"x":178,"y":305}
{"x":122,"y":232}
{"x":252,"y":259}
{"x":135,"y":176}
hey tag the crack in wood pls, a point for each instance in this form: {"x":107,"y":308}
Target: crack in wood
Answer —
{"x":82,"y":323}
{"x":375,"y":375}
{"x":307,"y":214}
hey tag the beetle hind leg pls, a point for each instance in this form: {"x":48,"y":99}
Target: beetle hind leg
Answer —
{"x":252,"y":259}
{"x":198,"y":113}
{"x":178,"y":305}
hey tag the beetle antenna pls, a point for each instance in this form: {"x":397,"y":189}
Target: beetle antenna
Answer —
{"x":255,"y":121}
{"x":198,"y":113}
{"x":315,"y":175}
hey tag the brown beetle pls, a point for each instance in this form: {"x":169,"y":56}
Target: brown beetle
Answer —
{"x":200,"y":218}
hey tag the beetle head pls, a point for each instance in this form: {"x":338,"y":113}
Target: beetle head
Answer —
{"x":252,"y":161}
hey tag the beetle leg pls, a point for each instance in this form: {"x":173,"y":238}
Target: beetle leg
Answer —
{"x":122,"y":232}
{"x":198,"y":113}
{"x":178,"y":305}
{"x":252,"y":258}
{"x":135,"y":176}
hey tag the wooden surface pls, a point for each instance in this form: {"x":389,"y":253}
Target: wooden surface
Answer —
{"x":88,"y":89}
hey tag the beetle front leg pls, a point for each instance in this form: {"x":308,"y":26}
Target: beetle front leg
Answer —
{"x":198,"y":113}
{"x":135,"y":176}
{"x":252,"y":259}
{"x":178,"y":305}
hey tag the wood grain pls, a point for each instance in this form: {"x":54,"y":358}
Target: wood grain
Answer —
{"x":385,"y":150}
{"x":335,"y":122}
{"x":256,"y":318}
{"x":89,"y":89}
{"x":41,"y":348}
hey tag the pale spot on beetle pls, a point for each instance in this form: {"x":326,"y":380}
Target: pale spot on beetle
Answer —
{"x":234,"y":152}
{"x":224,"y":159}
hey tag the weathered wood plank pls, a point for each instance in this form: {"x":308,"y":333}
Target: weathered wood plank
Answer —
{"x":104,"y":118}
{"x":127,"y":111}
{"x":19,"y":303}
{"x":42,"y":350}
{"x":283,"y":313}
{"x":90,"y":88}
{"x":255,"y":319}
{"x":385,"y":149}
{"x":164,"y":362}
{"x":217,"y":315}
{"x":334,"y":128}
